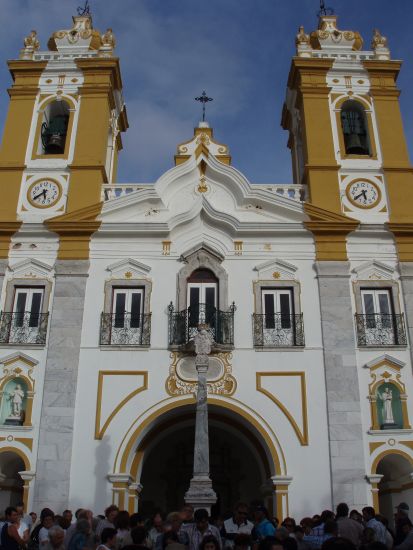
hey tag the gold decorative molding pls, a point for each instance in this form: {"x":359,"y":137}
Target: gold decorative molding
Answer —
{"x":302,"y":435}
{"x":100,"y":430}
{"x":225,"y":385}
{"x":375,"y":445}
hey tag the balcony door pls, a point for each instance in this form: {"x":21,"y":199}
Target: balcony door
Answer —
{"x":277,"y":309}
{"x":378,"y":315}
{"x":27,"y":307}
{"x":202,"y":299}
{"x":127,"y":315}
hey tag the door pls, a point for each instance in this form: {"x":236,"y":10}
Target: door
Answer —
{"x":202,"y":303}
{"x":27,"y":306}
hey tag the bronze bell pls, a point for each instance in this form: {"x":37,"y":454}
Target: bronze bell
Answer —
{"x":55,"y":144}
{"x":354,"y":145}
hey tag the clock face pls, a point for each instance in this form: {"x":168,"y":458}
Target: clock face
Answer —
{"x":44,"y":193}
{"x":363,"y":194}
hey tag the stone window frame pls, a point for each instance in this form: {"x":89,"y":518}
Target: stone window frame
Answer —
{"x":260,"y":285}
{"x":127,"y":284}
{"x":202,"y":258}
{"x":390,"y":285}
{"x":12,"y":284}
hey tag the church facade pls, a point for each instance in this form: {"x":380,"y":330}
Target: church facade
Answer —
{"x":306,"y":289}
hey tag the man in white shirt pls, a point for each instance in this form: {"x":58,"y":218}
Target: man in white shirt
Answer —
{"x":237,"y":524}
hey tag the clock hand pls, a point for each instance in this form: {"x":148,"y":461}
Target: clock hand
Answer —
{"x":363,"y":193}
{"x":44,"y":193}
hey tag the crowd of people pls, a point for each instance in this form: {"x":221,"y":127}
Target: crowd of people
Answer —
{"x":246,"y":528}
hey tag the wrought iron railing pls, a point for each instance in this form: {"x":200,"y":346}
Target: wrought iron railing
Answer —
{"x":125,"y":329}
{"x":380,"y":330}
{"x":23,"y":327}
{"x":183,"y":325}
{"x":278,"y":330}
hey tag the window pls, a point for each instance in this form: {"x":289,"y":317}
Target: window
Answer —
{"x":354,"y":127}
{"x":54,"y":128}
{"x":24,"y":320}
{"x":379,"y":321}
{"x":126,"y":320}
{"x":275,"y":321}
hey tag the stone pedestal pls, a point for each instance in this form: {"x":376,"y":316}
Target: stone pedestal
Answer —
{"x":200,"y":493}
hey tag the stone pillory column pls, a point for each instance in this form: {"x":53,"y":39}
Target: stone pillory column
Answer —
{"x":343,"y":396}
{"x":200,"y":493}
{"x":59,"y":394}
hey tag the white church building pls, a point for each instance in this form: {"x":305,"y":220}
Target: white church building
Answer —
{"x":307,"y":289}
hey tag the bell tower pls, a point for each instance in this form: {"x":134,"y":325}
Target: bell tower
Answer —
{"x":345,"y":130}
{"x":63,"y":131}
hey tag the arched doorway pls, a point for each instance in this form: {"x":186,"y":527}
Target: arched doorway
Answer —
{"x":239,"y":463}
{"x":11,"y":484}
{"x":396,"y":484}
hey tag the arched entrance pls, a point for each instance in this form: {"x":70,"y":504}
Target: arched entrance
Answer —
{"x":396,"y":485}
{"x":11,"y":484}
{"x":244,"y":455}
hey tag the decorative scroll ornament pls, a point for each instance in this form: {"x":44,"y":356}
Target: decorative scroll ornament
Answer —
{"x":328,"y":36}
{"x":31,"y":45}
{"x":108,"y":43}
{"x":179,"y":383}
{"x":81,"y":36}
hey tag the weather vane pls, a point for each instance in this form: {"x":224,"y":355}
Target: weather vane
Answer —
{"x":204,"y":99}
{"x":324,"y":10}
{"x":85,"y":10}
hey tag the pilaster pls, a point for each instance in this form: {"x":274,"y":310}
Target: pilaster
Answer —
{"x":343,"y":396}
{"x":60,"y":382}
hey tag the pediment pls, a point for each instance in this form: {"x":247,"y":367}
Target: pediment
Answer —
{"x":276,"y":269}
{"x":373,"y":270}
{"x":202,"y":248}
{"x":128,"y":268}
{"x":31,"y":268}
{"x":384,"y":362}
{"x":18,"y":358}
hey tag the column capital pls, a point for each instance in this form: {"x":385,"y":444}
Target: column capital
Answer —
{"x":374,"y":478}
{"x":281,"y":480}
{"x":27,"y":475}
{"x":120,"y":478}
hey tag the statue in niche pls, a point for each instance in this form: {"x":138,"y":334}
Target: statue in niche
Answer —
{"x":387,"y":399}
{"x":16,"y":397}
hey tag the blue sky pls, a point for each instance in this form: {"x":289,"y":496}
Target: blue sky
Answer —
{"x":239,"y":51}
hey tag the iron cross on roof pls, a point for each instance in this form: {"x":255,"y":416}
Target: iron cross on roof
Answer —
{"x":324,"y":10}
{"x":204,"y":100}
{"x":85,"y":10}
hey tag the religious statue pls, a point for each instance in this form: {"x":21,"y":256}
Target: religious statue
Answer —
{"x":379,"y":41}
{"x":16,"y":397}
{"x":108,"y":39}
{"x":203,"y":342}
{"x":31,"y":41}
{"x":387,"y":398}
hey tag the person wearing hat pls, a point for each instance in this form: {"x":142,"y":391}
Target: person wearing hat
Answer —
{"x":407,"y":528}
{"x":400,"y":517}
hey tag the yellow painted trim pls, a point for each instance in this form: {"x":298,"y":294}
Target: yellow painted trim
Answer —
{"x":7,"y":230}
{"x":168,"y":406}
{"x":407,"y":444}
{"x":386,"y":453}
{"x":302,"y":435}
{"x":375,"y":445}
{"x":100,"y":431}
{"x":25,"y":441}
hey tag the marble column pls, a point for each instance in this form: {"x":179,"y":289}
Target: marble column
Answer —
{"x":406,"y":279}
{"x":342,"y":386}
{"x":200,"y":493}
{"x":60,"y":383}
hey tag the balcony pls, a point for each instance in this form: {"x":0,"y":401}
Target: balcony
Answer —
{"x":125,"y":329}
{"x":23,"y":328}
{"x":278,"y":330}
{"x":183,"y":325}
{"x":380,"y":330}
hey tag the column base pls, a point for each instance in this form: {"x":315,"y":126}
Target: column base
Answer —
{"x":200,"y":493}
